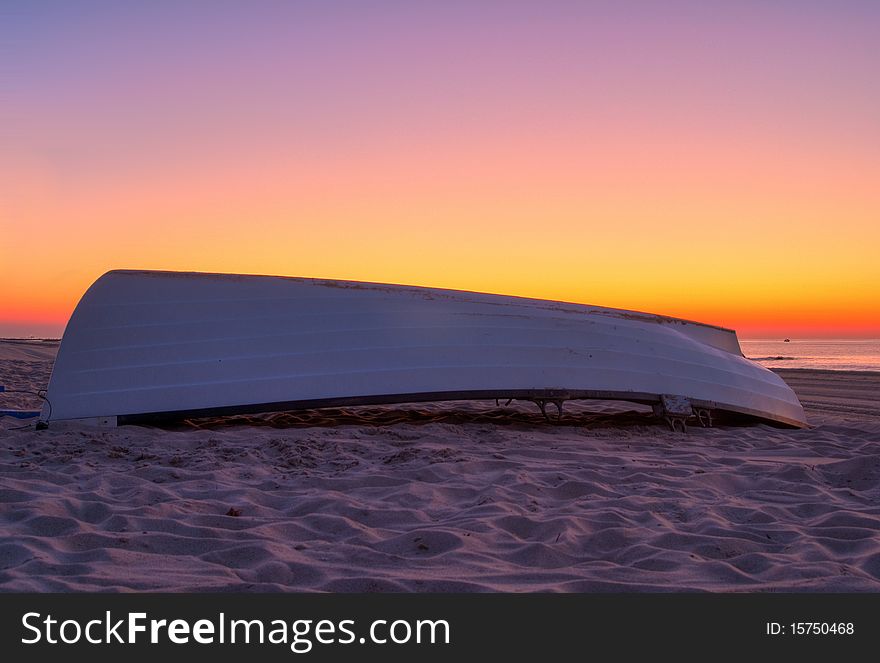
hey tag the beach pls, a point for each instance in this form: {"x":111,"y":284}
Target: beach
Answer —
{"x":457,"y":496}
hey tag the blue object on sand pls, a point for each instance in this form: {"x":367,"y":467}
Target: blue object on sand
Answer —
{"x":20,"y":414}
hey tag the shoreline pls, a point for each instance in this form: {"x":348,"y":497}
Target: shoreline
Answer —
{"x":850,"y":372}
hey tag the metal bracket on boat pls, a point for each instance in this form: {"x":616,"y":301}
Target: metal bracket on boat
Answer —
{"x":542,"y":403}
{"x":675,"y":410}
{"x":704,"y":416}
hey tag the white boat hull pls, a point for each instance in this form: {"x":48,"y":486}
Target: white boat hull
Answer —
{"x":146,"y":345}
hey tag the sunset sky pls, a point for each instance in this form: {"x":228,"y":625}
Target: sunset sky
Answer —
{"x":718,"y":161}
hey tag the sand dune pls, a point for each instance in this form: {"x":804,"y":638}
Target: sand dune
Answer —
{"x":450,"y":497}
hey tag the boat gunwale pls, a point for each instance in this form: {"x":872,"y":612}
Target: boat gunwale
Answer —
{"x":643,"y":398}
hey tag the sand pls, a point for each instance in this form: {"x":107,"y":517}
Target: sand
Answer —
{"x":452,"y":497}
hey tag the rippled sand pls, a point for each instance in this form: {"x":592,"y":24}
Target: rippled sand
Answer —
{"x":450,"y":497}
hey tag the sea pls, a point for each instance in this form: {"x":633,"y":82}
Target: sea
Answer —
{"x":825,"y":353}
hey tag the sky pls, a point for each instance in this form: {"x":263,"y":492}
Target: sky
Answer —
{"x":717,"y":161}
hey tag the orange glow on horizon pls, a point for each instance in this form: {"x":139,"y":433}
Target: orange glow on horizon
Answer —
{"x":798,"y":318}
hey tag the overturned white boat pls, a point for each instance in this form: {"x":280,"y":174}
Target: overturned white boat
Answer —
{"x":142,"y":346}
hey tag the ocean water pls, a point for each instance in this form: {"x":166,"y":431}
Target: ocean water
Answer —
{"x":828,"y":354}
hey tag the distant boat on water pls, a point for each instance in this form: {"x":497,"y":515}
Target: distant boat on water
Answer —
{"x":788,"y":340}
